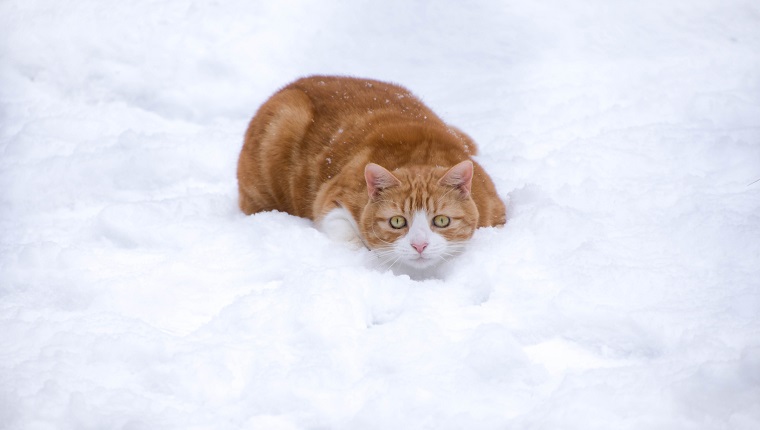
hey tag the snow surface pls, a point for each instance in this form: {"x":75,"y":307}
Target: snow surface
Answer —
{"x":623,"y":293}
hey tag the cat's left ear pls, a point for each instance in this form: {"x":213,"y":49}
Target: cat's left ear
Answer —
{"x":378,"y":179}
{"x":459,"y":177}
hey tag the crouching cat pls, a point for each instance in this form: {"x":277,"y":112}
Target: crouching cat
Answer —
{"x":370,"y":164}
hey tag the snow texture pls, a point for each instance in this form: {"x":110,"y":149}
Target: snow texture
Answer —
{"x":623,"y":293}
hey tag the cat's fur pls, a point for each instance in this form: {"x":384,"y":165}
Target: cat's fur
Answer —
{"x":351,"y":154}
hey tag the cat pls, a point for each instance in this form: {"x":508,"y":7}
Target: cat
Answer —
{"x":371,"y":165}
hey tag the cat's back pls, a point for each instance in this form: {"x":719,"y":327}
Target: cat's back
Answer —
{"x":373,"y":121}
{"x":338,"y":95}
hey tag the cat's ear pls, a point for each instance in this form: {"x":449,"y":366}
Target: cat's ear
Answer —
{"x":378,"y":179}
{"x":459,"y":177}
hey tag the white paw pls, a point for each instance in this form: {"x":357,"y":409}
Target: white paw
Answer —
{"x":340,"y":226}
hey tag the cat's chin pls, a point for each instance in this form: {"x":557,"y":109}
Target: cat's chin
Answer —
{"x":421,"y":262}
{"x":416,"y":268}
{"x":420,"y":270}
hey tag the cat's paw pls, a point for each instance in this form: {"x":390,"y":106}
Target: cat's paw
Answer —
{"x":339,"y":225}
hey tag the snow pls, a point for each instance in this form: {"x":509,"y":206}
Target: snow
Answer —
{"x":624,"y":291}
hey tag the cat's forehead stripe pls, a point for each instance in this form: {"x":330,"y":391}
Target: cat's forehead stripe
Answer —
{"x":418,"y":195}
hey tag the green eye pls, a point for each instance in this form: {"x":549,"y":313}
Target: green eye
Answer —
{"x":441,"y":221}
{"x":398,"y":222}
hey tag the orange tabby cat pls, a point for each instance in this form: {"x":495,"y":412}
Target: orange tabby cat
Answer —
{"x":370,"y":164}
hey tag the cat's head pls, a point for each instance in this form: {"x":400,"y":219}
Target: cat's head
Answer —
{"x":418,"y":217}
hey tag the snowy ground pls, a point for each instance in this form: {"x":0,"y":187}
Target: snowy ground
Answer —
{"x":624,"y":292}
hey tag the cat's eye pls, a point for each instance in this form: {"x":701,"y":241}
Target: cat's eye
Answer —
{"x":398,"y":222}
{"x":441,"y":221}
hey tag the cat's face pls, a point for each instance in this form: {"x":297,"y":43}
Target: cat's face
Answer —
{"x":418,"y":217}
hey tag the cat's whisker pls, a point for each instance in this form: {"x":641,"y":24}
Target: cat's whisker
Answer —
{"x":385,"y":251}
{"x":394,"y":261}
{"x":387,"y":258}
{"x":386,"y":254}
{"x":446,"y":257}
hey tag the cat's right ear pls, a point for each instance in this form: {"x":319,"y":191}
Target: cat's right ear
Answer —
{"x":378,"y":179}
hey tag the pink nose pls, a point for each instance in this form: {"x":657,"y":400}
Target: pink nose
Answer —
{"x":419,"y":247}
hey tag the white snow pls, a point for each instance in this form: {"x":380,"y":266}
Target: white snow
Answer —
{"x":623,"y":293}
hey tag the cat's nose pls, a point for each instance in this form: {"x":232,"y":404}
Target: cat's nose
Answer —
{"x":419,"y":246}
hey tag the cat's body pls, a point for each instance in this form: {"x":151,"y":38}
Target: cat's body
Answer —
{"x":315,"y":149}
